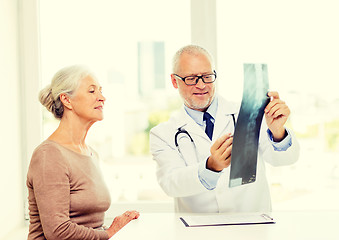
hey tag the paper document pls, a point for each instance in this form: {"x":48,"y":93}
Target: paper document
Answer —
{"x":223,"y":219}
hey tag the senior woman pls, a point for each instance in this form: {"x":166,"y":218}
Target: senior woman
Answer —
{"x":67,"y":195}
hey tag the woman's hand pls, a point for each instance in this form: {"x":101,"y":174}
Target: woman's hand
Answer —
{"x":120,"y":221}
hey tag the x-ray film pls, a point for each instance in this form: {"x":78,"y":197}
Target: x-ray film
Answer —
{"x":246,"y":134}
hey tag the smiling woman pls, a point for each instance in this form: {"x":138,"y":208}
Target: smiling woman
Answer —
{"x":79,"y":100}
{"x":87,"y":102}
{"x":66,"y":192}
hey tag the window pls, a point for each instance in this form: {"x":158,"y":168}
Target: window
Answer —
{"x":128,"y":44}
{"x":297,"y":41}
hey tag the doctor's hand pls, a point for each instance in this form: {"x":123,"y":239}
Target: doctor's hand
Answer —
{"x":220,"y":154}
{"x":120,"y":221}
{"x":276,"y":114}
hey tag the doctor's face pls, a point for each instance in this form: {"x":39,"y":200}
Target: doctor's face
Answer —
{"x":199,"y":96}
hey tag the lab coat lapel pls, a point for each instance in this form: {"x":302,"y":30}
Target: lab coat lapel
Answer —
{"x":187,"y":123}
{"x":222,"y":121}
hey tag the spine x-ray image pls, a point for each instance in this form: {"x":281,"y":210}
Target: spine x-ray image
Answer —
{"x":246,"y":134}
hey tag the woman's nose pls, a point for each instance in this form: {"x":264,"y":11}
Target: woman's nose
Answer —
{"x":101,"y":98}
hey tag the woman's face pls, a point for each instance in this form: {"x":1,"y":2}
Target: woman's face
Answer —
{"x":88,"y":101}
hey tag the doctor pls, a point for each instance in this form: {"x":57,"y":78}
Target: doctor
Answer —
{"x":193,"y":149}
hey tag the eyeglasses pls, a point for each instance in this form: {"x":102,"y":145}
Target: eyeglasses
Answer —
{"x":193,"y":80}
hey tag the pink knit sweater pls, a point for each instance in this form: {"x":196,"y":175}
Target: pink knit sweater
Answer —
{"x":67,"y":195}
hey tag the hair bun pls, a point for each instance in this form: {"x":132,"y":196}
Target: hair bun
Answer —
{"x":66,"y":80}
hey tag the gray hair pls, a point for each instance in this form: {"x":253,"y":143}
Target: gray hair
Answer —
{"x":66,"y":80}
{"x":192,"y":50}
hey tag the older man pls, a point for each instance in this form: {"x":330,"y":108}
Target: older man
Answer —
{"x":193,"y":158}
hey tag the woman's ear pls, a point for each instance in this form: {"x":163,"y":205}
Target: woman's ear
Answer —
{"x":66,"y":101}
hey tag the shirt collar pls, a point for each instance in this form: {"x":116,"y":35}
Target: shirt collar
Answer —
{"x":197,"y":116}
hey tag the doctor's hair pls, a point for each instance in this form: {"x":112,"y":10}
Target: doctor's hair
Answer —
{"x":191,"y":50}
{"x":66,"y":80}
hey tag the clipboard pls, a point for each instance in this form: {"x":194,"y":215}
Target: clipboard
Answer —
{"x":226,"y":220}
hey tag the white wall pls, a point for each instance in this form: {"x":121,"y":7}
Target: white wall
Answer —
{"x":11,"y":181}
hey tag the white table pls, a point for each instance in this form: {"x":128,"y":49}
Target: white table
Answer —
{"x":312,"y":225}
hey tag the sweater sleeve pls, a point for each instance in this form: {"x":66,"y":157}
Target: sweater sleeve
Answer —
{"x":49,"y":175}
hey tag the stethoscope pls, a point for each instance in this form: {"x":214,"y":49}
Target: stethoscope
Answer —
{"x":183,"y":131}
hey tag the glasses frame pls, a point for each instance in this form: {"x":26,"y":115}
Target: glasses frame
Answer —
{"x":198,"y":77}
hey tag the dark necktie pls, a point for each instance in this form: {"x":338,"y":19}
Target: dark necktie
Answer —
{"x":209,"y":124}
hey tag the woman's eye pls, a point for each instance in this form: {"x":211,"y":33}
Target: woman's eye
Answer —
{"x":91,"y":91}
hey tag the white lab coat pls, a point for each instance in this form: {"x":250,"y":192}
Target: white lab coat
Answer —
{"x":177,"y":173}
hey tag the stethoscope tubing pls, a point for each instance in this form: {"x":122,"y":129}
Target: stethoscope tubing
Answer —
{"x":183,"y":131}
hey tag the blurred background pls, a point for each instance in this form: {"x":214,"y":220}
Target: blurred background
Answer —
{"x":129,"y":45}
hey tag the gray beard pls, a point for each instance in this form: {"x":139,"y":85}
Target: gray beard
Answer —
{"x":197,"y":106}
